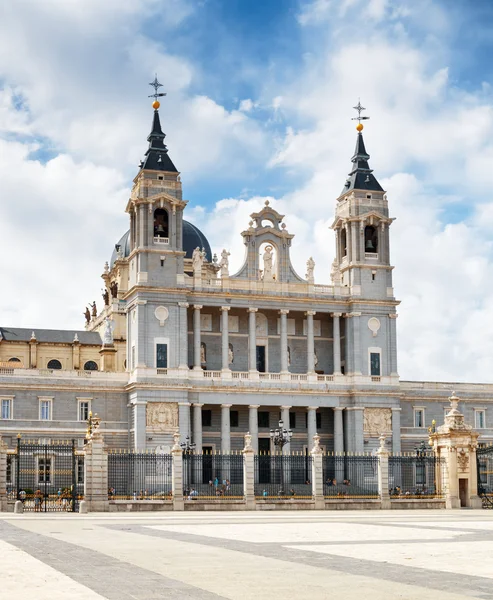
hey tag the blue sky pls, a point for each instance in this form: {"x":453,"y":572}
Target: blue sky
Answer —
{"x":260,"y":98}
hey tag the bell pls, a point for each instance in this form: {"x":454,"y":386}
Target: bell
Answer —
{"x":369,"y":247}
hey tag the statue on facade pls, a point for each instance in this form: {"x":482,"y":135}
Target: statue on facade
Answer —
{"x":94,"y":310}
{"x":268,"y":258}
{"x":114,"y":289}
{"x":310,"y":267}
{"x":335,"y":273}
{"x":87,"y":315}
{"x":224,"y":263}
{"x":198,"y":258}
{"x":203,"y":356}
{"x":106,"y":297}
{"x":231,"y":354}
{"x":109,"y":326}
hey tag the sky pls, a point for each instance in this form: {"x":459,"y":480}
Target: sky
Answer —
{"x":259,"y":106}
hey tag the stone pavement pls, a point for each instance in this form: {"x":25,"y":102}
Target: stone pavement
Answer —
{"x":241,"y":556}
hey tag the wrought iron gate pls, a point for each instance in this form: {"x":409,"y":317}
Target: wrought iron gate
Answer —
{"x":49,"y":477}
{"x":484,"y":457}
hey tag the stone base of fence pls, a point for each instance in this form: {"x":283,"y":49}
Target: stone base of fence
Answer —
{"x":417,"y":504}
{"x":140,"y":505}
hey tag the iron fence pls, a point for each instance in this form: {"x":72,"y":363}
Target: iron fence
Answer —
{"x":283,"y":476}
{"x":45,"y":477}
{"x":347,"y":476}
{"x":484,"y":458}
{"x":213,"y":476}
{"x":415,"y":476}
{"x":139,"y":476}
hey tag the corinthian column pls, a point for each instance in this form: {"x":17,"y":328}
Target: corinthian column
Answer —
{"x":196,"y":337}
{"x":310,"y":342}
{"x":252,"y":339}
{"x":284,"y":340}
{"x":225,"y":337}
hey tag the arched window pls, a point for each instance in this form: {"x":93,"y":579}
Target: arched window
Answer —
{"x":371,"y":239}
{"x":14,"y":359}
{"x":343,"y":242}
{"x":161,"y":227}
{"x":91,"y":366}
{"x":54,"y":364}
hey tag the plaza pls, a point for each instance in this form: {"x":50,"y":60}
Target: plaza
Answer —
{"x":318,"y":555}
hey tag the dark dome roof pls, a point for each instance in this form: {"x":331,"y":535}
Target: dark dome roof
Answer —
{"x":192,"y":237}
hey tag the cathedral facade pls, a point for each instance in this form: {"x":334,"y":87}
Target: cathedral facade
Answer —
{"x":182,"y":342}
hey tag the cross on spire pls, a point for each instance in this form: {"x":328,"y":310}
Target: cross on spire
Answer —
{"x":156,"y":85}
{"x":360,"y":109}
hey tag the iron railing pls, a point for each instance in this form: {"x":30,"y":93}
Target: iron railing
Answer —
{"x":213,"y":476}
{"x":45,"y":476}
{"x":283,"y":476}
{"x":347,"y":476}
{"x":415,"y":476}
{"x":139,"y":476}
{"x":484,"y":458}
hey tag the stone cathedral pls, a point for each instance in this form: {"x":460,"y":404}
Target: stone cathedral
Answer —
{"x":182,"y":342}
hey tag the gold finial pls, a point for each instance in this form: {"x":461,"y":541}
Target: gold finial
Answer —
{"x":359,"y":126}
{"x":156,"y":85}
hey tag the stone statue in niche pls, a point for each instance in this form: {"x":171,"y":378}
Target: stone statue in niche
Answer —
{"x":268,"y":258}
{"x":289,"y":356}
{"x":315,"y":359}
{"x":310,"y":267}
{"x":203,"y":354}
{"x":224,"y":263}
{"x":335,"y":273}
{"x":198,"y":258}
{"x":114,"y":289}
{"x":377,"y":420}
{"x":231,"y":354}
{"x":162,"y":416}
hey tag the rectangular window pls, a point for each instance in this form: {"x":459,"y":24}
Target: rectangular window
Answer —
{"x":206,"y":418}
{"x":233,"y":418}
{"x":6,"y":408}
{"x":263,"y":419}
{"x":419,"y":417}
{"x":480,"y":419}
{"x":161,"y":356}
{"x":45,"y":410}
{"x":44,"y":470}
{"x":292,"y":420}
{"x":375,"y":364}
{"x":84,"y":409}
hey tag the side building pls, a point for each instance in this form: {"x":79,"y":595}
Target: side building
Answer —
{"x":183,"y":343}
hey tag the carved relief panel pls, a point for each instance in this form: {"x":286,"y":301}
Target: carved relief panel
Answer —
{"x":377,"y":421}
{"x":162,"y":416}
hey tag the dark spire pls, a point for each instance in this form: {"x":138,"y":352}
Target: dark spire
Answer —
{"x":156,"y":157}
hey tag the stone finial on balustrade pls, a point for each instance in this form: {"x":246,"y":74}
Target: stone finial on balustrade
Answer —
{"x":382,"y":449}
{"x":454,"y":419}
{"x":176,"y":449}
{"x":93,"y":425}
{"x":248,"y":449}
{"x":316,"y":445}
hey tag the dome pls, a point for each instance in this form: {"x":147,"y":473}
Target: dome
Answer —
{"x":192,"y":237}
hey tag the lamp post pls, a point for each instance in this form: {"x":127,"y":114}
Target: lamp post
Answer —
{"x":280,"y":437}
{"x":420,"y":464}
{"x":188,"y":447}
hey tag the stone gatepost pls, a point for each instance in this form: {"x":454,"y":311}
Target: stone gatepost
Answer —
{"x":177,"y":473}
{"x":317,"y":474}
{"x":95,"y":470}
{"x":383,"y":474}
{"x":249,"y":473}
{"x":455,"y":443}
{"x":3,"y":475}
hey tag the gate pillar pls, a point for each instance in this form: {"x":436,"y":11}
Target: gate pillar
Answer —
{"x":96,"y":474}
{"x":455,"y":443}
{"x":3,"y":476}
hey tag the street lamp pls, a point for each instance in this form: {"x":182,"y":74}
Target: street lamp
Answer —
{"x":280,"y":437}
{"x":188,"y":448}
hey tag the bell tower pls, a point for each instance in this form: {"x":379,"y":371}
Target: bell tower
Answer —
{"x":362,"y":264}
{"x":156,"y":213}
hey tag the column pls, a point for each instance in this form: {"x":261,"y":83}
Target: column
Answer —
{"x":336,"y":335}
{"x":361,"y":244}
{"x":183,"y":362}
{"x":338,"y":430}
{"x":396,"y":430}
{"x":253,"y":425}
{"x":139,"y":418}
{"x":348,"y":322}
{"x":310,"y":342}
{"x":312,"y":425}
{"x":338,"y":246}
{"x":197,"y":427}
{"x":354,"y":241}
{"x":177,"y":473}
{"x":382,"y":250}
{"x":184,"y":420}
{"x":355,"y":436}
{"x":252,"y":339}
{"x":285,"y":419}
{"x":284,"y":340}
{"x":225,"y":429}
{"x":196,"y":337}
{"x":356,"y":344}
{"x":3,"y":476}
{"x":225,"y":337}
{"x":140,"y":336}
{"x":393,"y":344}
